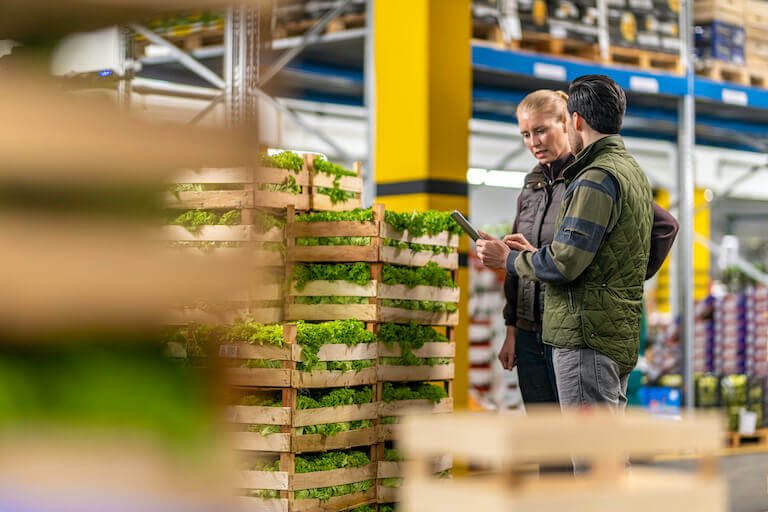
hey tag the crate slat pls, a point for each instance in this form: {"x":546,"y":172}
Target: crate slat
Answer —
{"x":386,"y":433}
{"x":420,"y":292}
{"x":330,"y":288}
{"x":389,"y":314}
{"x":410,"y":258}
{"x":247,"y":350}
{"x":323,"y":202}
{"x":392,"y":494}
{"x":264,"y":377}
{"x":341,"y":228}
{"x":340,"y":441}
{"x":275,"y":234}
{"x":259,"y":415}
{"x":407,"y":407}
{"x":211,"y":199}
{"x":276,"y":176}
{"x":316,"y":479}
{"x":347,"y":183}
{"x":415,"y":373}
{"x":271,"y":480}
{"x":331,"y":254}
{"x":431,"y":349}
{"x":266,"y":199}
{"x":324,"y":415}
{"x":390,"y":469}
{"x":254,"y":441}
{"x":322,"y":312}
{"x":326,"y":379}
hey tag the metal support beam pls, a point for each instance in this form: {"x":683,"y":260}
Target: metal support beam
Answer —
{"x":183,"y":57}
{"x":369,"y":183}
{"x":301,"y":123}
{"x":686,"y":140}
{"x":208,"y":108}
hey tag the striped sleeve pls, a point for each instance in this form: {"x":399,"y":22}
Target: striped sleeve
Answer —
{"x":593,"y":201}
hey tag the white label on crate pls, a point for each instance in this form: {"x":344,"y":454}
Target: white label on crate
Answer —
{"x":228,"y":351}
{"x":734,"y":97}
{"x":643,"y":84}
{"x":550,"y":71}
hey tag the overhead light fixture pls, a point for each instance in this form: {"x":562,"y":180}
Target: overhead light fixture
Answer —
{"x":494,"y":178}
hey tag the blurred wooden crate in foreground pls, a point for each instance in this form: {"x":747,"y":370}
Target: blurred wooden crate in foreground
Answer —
{"x":597,"y":439}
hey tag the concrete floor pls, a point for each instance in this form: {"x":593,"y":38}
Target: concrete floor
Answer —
{"x":746,"y":473}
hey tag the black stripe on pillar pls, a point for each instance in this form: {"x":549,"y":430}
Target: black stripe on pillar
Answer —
{"x":463,"y":259}
{"x":454,"y":188}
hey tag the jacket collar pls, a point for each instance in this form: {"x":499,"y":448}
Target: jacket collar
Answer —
{"x":540,"y":172}
{"x":589,"y":153}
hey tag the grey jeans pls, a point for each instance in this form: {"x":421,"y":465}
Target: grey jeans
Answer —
{"x":585,"y":377}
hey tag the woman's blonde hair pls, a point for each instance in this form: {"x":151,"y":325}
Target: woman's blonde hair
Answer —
{"x":546,"y":101}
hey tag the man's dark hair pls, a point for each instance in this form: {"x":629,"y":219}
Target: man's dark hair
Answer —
{"x":599,"y":100}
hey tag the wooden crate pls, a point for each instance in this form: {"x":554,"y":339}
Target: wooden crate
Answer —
{"x":598,"y":437}
{"x":352,"y":184}
{"x":376,"y":251}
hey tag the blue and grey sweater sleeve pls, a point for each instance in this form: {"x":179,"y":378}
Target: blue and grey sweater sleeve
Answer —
{"x":592,"y":209}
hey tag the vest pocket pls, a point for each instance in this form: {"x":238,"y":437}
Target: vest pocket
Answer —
{"x":611,"y":321}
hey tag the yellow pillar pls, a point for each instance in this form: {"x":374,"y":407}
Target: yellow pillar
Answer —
{"x":423,"y":107}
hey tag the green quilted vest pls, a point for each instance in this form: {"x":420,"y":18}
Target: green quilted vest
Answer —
{"x":602,"y":308}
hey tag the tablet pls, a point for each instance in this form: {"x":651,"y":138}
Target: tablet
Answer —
{"x":465,"y":225}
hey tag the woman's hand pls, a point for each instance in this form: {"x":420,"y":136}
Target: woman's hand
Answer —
{"x":492,"y":251}
{"x":507,"y":352}
{"x":517,"y":242}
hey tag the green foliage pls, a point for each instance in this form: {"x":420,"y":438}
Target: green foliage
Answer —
{"x":364,"y":508}
{"x":334,"y":240}
{"x":332,"y":299}
{"x":257,"y":401}
{"x":391,"y":482}
{"x":337,"y":366}
{"x":330,"y":429}
{"x":231,"y":218}
{"x":290,"y":186}
{"x":265,"y":465}
{"x":389,"y":420}
{"x":390,"y":507}
{"x":271,"y":364}
{"x":326,"y":493}
{"x":264,"y":430}
{"x":328,"y":461}
{"x":430,"y":274}
{"x":411,"y":360}
{"x":413,"y":391}
{"x":285,"y":160}
{"x":192,"y":220}
{"x":264,"y":221}
{"x":357,"y":273}
{"x":249,"y":331}
{"x":420,"y":305}
{"x":412,"y":332}
{"x":414,"y":247}
{"x":312,"y":336}
{"x":324,"y":166}
{"x":356,"y":215}
{"x":446,"y":473}
{"x":263,"y":493}
{"x":315,"y":399}
{"x":336,"y":194}
{"x":392,"y":455}
{"x":431,"y":222}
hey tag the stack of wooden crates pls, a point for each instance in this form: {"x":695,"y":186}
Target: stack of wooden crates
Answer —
{"x":267,"y":383}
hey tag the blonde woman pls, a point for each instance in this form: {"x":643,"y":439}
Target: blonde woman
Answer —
{"x":542,"y":119}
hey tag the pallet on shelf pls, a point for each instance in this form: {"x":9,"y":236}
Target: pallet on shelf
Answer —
{"x":600,"y":438}
{"x":733,"y":73}
{"x":188,"y":36}
{"x":542,"y":42}
{"x":645,"y":59}
{"x":297,"y":28}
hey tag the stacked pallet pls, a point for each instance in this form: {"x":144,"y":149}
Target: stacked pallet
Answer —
{"x":720,"y":42}
{"x":364,"y":264}
{"x":756,"y":43}
{"x":599,"y":440}
{"x":645,"y":34}
{"x":757,"y":331}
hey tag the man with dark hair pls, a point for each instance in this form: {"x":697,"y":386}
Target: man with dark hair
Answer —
{"x":596,"y":265}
